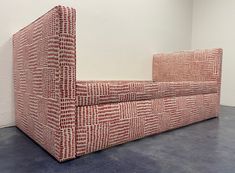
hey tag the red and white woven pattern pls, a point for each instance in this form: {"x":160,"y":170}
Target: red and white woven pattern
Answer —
{"x":44,"y":81}
{"x":101,"y":92}
{"x":70,"y":118}
{"x":102,"y":126}
{"x":198,"y":65}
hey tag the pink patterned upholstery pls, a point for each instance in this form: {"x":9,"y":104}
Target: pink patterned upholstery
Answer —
{"x":101,"y":92}
{"x":44,"y":80}
{"x":70,"y":118}
{"x":106,"y":125}
{"x":198,"y":65}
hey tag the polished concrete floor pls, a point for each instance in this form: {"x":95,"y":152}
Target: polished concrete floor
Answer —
{"x":206,"y":147}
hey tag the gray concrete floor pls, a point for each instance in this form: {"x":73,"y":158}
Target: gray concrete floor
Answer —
{"x":206,"y":147}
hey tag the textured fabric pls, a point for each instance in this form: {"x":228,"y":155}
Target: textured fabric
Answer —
{"x":198,"y":65}
{"x":44,"y":81}
{"x":69,"y":118}
{"x":101,"y":92}
{"x":102,"y":126}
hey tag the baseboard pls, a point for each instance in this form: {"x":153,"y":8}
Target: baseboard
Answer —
{"x":228,"y":106}
{"x":7,"y":125}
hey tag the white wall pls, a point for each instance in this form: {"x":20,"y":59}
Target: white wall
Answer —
{"x":115,"y":38}
{"x":214,"y":26}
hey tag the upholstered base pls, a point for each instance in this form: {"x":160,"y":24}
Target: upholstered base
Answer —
{"x":103,"y":126}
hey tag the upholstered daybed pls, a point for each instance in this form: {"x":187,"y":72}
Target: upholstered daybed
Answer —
{"x":71,"y":118}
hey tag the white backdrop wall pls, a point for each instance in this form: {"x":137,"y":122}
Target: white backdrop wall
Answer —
{"x":115,"y":39}
{"x":214,"y":26}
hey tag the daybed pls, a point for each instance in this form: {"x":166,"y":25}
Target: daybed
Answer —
{"x":70,"y":118}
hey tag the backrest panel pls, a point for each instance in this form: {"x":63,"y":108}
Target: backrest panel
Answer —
{"x":44,"y":64}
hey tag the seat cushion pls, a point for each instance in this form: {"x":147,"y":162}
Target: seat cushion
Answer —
{"x":101,"y":92}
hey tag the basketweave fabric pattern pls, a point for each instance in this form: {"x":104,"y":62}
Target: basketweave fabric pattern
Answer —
{"x":102,"y":126}
{"x":69,"y":118}
{"x":197,"y":65}
{"x":101,"y":92}
{"x":44,"y":60}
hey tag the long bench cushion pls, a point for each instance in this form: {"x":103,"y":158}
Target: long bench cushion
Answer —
{"x":101,"y":92}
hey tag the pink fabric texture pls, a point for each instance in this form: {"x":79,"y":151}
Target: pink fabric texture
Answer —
{"x":106,"y":125}
{"x":198,"y":65}
{"x":44,"y":81}
{"x":101,"y":92}
{"x":71,"y":118}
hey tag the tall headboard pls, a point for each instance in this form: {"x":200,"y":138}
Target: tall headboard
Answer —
{"x":44,"y":69}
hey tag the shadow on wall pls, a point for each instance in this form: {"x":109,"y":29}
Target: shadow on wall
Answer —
{"x":7,"y":114}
